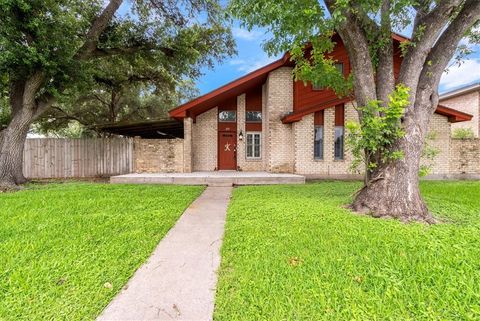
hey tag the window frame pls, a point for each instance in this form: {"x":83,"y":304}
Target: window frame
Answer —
{"x":342,"y":70}
{"x":253,"y":121}
{"x":342,"y":156}
{"x":322,"y":149}
{"x":253,"y":157}
{"x":227,"y":121}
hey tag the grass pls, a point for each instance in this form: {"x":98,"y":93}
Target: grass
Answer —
{"x":295,"y":253}
{"x":67,"y":249}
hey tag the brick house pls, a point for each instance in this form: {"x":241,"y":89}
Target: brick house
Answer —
{"x":266,"y":121}
{"x":467,"y":100}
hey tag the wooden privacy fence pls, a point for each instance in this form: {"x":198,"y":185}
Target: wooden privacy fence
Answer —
{"x":89,"y":157}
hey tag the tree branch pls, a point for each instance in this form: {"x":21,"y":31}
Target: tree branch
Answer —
{"x":107,"y":52}
{"x":385,"y":77}
{"x":426,"y":32}
{"x":96,"y":29}
{"x":445,"y":48}
{"x":69,"y":116}
{"x":357,"y":47}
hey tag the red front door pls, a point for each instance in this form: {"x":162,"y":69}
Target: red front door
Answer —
{"x":227,"y":150}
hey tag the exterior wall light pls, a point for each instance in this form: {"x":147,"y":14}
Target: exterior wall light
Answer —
{"x":240,"y":135}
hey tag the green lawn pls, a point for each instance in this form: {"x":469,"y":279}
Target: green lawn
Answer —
{"x":67,"y":249}
{"x":295,"y":253}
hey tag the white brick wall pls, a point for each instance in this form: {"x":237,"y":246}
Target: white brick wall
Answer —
{"x":187,"y":145}
{"x":440,"y":126}
{"x":289,"y":147}
{"x":204,"y":141}
{"x":304,"y":139}
{"x":279,"y":136}
{"x":242,"y":161}
{"x":470,"y":104}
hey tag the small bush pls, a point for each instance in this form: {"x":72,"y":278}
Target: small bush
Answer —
{"x":463,"y":133}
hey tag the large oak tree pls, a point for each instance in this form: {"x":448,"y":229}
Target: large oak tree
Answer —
{"x":47,"y":47}
{"x":138,"y":87}
{"x":392,"y":185}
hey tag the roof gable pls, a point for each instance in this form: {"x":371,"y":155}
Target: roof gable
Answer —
{"x":259,"y":76}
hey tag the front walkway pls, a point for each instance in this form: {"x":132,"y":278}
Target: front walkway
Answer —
{"x":178,"y":281}
{"x":216,"y":178}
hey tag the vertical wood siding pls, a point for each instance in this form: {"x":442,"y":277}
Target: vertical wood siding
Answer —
{"x":64,"y":158}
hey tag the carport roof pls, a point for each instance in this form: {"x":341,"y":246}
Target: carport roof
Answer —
{"x":161,"y":128}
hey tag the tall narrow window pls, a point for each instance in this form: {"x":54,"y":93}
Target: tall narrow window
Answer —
{"x":338,"y":66}
{"x":339,"y":132}
{"x":318,"y":135}
{"x":254,"y":143}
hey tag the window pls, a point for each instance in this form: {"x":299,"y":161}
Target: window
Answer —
{"x":318,"y":143}
{"x":339,"y":67}
{"x":254,"y":142}
{"x":227,"y":116}
{"x":253,"y":116}
{"x":339,"y":133}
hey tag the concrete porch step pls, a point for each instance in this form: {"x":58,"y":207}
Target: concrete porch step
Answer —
{"x":220,"y":178}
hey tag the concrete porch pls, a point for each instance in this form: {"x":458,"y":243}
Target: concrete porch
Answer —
{"x":218,"y":178}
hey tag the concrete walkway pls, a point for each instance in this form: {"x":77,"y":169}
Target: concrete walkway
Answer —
{"x":178,"y":281}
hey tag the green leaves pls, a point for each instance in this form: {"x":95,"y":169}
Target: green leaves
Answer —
{"x":371,"y":141}
{"x":153,"y":50}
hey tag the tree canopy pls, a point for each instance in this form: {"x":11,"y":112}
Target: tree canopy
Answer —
{"x":305,"y":28}
{"x":51,"y":48}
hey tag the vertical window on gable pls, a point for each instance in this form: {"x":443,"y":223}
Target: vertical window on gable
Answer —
{"x":339,"y":66}
{"x":253,"y":145}
{"x":339,"y":132}
{"x":318,"y":136}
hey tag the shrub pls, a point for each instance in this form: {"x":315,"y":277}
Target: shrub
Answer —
{"x":463,"y":133}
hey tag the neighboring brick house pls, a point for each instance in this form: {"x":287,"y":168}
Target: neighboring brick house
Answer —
{"x":266,"y":121}
{"x":467,"y":100}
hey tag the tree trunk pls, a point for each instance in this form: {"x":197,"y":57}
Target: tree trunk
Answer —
{"x":11,"y":150}
{"x":393,"y":189}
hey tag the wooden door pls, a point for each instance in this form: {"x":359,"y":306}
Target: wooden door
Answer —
{"x":227,"y":150}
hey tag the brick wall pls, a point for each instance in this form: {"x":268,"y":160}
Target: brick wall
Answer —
{"x":158,"y":155}
{"x":279,"y":136}
{"x":329,"y":167}
{"x":187,"y":145}
{"x":305,"y":163}
{"x":242,"y":161}
{"x":464,"y":156}
{"x":469,"y":103}
{"x":204,"y":141}
{"x":440,"y":132}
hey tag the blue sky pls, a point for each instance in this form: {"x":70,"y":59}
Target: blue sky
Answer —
{"x":251,"y":56}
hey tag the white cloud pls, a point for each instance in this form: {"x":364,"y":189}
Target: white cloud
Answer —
{"x":252,"y":64}
{"x":467,"y":72}
{"x":244,"y":34}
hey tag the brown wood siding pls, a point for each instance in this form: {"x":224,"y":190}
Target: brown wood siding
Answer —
{"x":229,"y":104}
{"x":306,"y":97}
{"x":254,"y":99}
{"x":318,"y":118}
{"x":397,"y":58}
{"x":253,"y":127}
{"x":303,"y":94}
{"x":253,"y":102}
{"x":340,"y":115}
